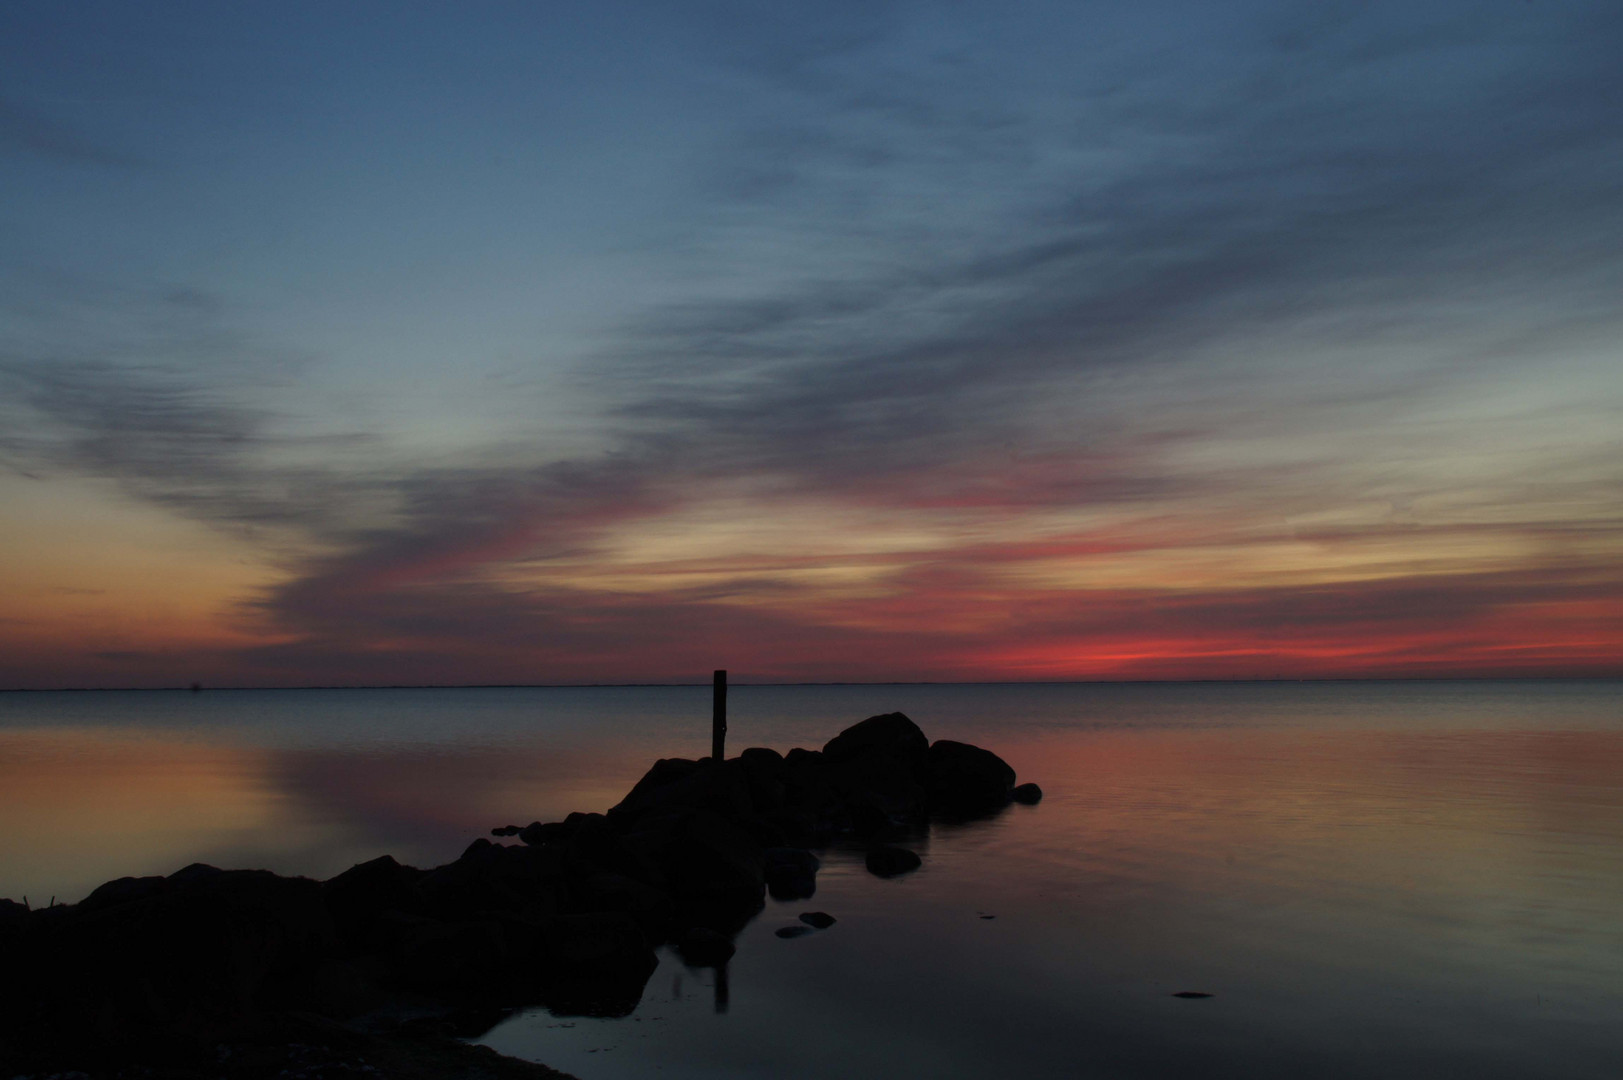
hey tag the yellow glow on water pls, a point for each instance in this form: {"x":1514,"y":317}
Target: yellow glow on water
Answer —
{"x":125,"y":804}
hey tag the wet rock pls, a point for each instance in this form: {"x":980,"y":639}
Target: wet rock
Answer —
{"x":792,"y":931}
{"x":791,"y":873}
{"x":1027,"y":794}
{"x":889,"y":861}
{"x":822,"y":920}
{"x":964,"y":780}
{"x":704,"y":947}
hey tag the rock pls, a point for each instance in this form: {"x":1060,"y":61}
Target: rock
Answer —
{"x":791,"y":873}
{"x":507,"y":830}
{"x":704,"y":947}
{"x":491,"y":879}
{"x":1191,"y":994}
{"x":537,"y":834}
{"x":357,"y":897}
{"x":876,"y":768}
{"x":889,"y":861}
{"x":597,"y":943}
{"x":674,"y":784}
{"x":887,"y":735}
{"x":822,"y":920}
{"x":712,"y":867}
{"x":1027,"y":794}
{"x":792,"y":931}
{"x":201,"y":951}
{"x":432,"y":956}
{"x":965,"y":780}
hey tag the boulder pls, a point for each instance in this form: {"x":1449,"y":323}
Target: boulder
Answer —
{"x":712,"y":867}
{"x":357,"y":897}
{"x":964,"y":780}
{"x":822,"y":920}
{"x":890,"y":735}
{"x":1027,"y":794}
{"x":876,"y":769}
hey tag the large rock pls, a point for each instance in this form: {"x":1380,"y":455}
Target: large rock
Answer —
{"x":360,"y":895}
{"x":876,"y":769}
{"x":199,"y":952}
{"x":889,"y":735}
{"x":712,"y":867}
{"x":964,"y":780}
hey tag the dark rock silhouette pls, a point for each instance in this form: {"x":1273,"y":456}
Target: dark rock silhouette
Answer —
{"x":1028,"y":794}
{"x":888,"y":861}
{"x":154,"y":969}
{"x":822,"y":920}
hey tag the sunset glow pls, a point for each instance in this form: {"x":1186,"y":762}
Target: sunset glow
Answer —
{"x":850,"y":346}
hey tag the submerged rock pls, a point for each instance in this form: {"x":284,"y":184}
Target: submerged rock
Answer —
{"x":822,"y":920}
{"x":889,"y":861}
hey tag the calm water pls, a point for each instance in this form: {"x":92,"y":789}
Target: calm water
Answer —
{"x":1373,"y":879}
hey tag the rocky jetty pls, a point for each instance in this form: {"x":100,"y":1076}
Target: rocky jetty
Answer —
{"x":172,"y":972}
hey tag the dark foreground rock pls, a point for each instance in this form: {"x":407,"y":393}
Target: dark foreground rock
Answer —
{"x":166,"y":971}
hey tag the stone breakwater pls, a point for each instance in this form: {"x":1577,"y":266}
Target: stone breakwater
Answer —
{"x":568,"y":917}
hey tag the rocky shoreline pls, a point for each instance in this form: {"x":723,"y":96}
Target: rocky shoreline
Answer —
{"x":383,"y":969}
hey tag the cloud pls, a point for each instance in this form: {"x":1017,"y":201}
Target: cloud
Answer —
{"x":1084,"y":308}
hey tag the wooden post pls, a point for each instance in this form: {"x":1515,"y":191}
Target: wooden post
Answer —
{"x":718,"y":717}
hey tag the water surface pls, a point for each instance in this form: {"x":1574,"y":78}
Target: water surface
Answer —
{"x":1395,"y":879}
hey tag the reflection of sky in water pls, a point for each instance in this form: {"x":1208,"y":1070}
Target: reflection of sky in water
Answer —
{"x":1374,"y":880}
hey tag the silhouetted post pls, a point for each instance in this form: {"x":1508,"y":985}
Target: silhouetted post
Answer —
{"x":718,"y":717}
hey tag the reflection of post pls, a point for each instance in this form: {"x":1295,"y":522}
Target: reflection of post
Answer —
{"x":718,"y":717}
{"x":722,"y":995}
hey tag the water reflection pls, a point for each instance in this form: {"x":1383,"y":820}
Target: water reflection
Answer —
{"x":1396,"y":883}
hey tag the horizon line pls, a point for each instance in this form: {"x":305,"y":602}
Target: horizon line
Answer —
{"x":200,"y":687}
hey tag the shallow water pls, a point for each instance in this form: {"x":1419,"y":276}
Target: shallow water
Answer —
{"x":1395,"y":879}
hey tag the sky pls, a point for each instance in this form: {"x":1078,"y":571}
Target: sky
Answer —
{"x":494,"y":342}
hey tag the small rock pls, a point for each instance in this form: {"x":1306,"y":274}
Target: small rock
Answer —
{"x":988,"y":916}
{"x":1028,"y":794}
{"x":888,"y":861}
{"x":507,"y":830}
{"x":792,"y":931}
{"x":1190,"y":994}
{"x":820,"y":919}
